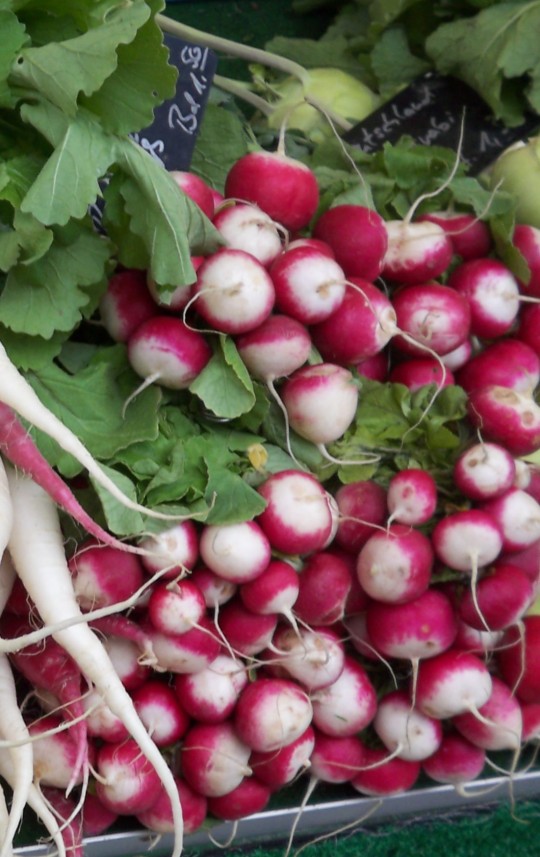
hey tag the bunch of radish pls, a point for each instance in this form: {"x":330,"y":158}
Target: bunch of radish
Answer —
{"x":367,"y":632}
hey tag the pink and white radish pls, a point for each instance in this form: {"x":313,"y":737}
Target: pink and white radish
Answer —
{"x":165,"y":350}
{"x":249,"y":796}
{"x":411,"y":497}
{"x":210,"y":695}
{"x":213,"y":758}
{"x":526,"y":239}
{"x":433,"y":316}
{"x":395,"y":565}
{"x":309,"y":284}
{"x":362,"y":508}
{"x":127,"y":782}
{"x":470,"y":237}
{"x":484,"y":470}
{"x":236,"y":552}
{"x":175,"y":607}
{"x":518,"y":515}
{"x":358,"y":238}
{"x":506,"y":362}
{"x":277,"y":768}
{"x":172,"y":551}
{"x":384,"y":775}
{"x":451,"y":683}
{"x":324,"y":583}
{"x":404,"y":729}
{"x":196,"y":188}
{"x":189,"y":652}
{"x":314,"y":658}
{"x":247,"y":227}
{"x":158,"y":817}
{"x":416,"y":252}
{"x":271,"y":713}
{"x":273,"y":592}
{"x":127,"y":302}
{"x":348,"y":705}
{"x":493,"y":295}
{"x":497,"y":725}
{"x":245,"y":633}
{"x":456,"y":761}
{"x":159,"y":708}
{"x":503,"y":595}
{"x":506,"y":417}
{"x":416,"y":372}
{"x":336,"y":759}
{"x":104,"y":575}
{"x":321,"y":402}
{"x":276,"y":348}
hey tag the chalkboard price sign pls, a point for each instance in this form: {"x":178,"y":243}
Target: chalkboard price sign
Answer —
{"x":170,"y":139}
{"x":432,"y":110}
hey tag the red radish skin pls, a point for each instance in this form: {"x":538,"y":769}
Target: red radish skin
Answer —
{"x":362,"y":508}
{"x":501,"y":724}
{"x":518,"y":657}
{"x":189,"y":652}
{"x":375,"y":367}
{"x":416,"y":372}
{"x":484,"y":470}
{"x":283,"y":187}
{"x":530,"y":713}
{"x":96,"y":818}
{"x":175,"y":608}
{"x":65,"y":811}
{"x":125,"y":655}
{"x":416,"y":252}
{"x":274,"y":591}
{"x":418,"y":629}
{"x":127,"y":783}
{"x":493,"y":295}
{"x":159,"y":709}
{"x":411,"y":497}
{"x":451,"y":683}
{"x":528,"y":560}
{"x":518,"y":515}
{"x":246,"y":227}
{"x":299,"y":516}
{"x":505,"y":362}
{"x":314,"y":243}
{"x":356,"y":627}
{"x":324,"y":584}
{"x":277,"y":348}
{"x":210,"y":695}
{"x":309,"y":284}
{"x":361,"y":327}
{"x":314,"y":658}
{"x":102,"y":723}
{"x":470,"y":237}
{"x":383,"y":776}
{"x":215,"y":589}
{"x":233,"y":292}
{"x":173,"y":551}
{"x":320,"y":401}
{"x":467,"y":540}
{"x":166,"y":349}
{"x":103,"y":575}
{"x":528,"y":328}
{"x":54,"y":755}
{"x":336,"y":759}
{"x":358,"y":238}
{"x":158,"y":817}
{"x":458,"y":357}
{"x":475,"y":642}
{"x":236,"y":552}
{"x":506,"y":417}
{"x":348,"y":705}
{"x":247,"y":633}
{"x":176,"y":299}
{"x":197,"y":190}
{"x":213,"y":759}
{"x":271,"y":713}
{"x":503,"y":595}
{"x":456,"y":761}
{"x":395,"y":566}
{"x":526,"y":239}
{"x":249,"y":797}
{"x":277,"y":768}
{"x":404,"y":729}
{"x":434,"y":317}
{"x":126,"y":304}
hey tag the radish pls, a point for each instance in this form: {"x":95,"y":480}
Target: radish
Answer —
{"x":96,"y":818}
{"x":348,"y":705}
{"x":503,"y":594}
{"x":434,"y":317}
{"x":357,"y":236}
{"x":197,"y":190}
{"x":166,"y":350}
{"x":458,"y":357}
{"x":103,"y":575}
{"x":189,"y":652}
{"x":467,"y":540}
{"x":518,"y":657}
{"x":395,"y":566}
{"x":336,"y":759}
{"x":362,"y":508}
{"x":271,"y":713}
{"x":126,"y":303}
{"x":65,"y":810}
{"x":209,"y":696}
{"x":315,"y":658}
{"x":127,"y":783}
{"x":421,"y":628}
{"x":375,"y":367}
{"x":383,"y":776}
{"x":506,"y":417}
{"x":324,"y":583}
{"x":246,"y":227}
{"x":100,"y":720}
{"x":493,"y":295}
{"x":321,"y":402}
{"x":276,"y":348}
{"x":526,"y":239}
{"x":300,"y":514}
{"x":476,"y":642}
{"x":274,"y":591}
{"x":246,"y":633}
{"x":54,"y":753}
{"x":172,"y":551}
{"x":419,"y":371}
{"x":283,"y":187}
{"x":277,"y":768}
{"x":484,"y":470}
{"x":213,"y":759}
{"x":470,"y":237}
{"x":249,"y":796}
{"x":456,"y":761}
{"x":159,"y":818}
{"x":309,"y":284}
{"x":506,"y":362}
{"x":416,"y":251}
{"x":411,"y":497}
{"x":404,"y":729}
{"x":497,"y":724}
{"x":176,"y":607}
{"x":125,"y":658}
{"x":451,"y":683}
{"x":176,"y":299}
{"x":159,"y":708}
{"x":215,"y":589}
{"x":528,"y":330}
{"x":233,"y":292}
{"x":236,"y":552}
{"x":518,"y":515}
{"x":359,"y":328}
{"x":530,"y":713}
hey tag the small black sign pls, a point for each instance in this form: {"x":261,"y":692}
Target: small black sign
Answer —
{"x":171,"y":137}
{"x":432,"y":110}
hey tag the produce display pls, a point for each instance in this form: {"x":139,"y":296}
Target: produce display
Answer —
{"x":272,"y":427}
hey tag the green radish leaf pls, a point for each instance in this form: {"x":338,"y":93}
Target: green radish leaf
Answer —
{"x":120,"y":520}
{"x":224,"y":385}
{"x":13,"y":39}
